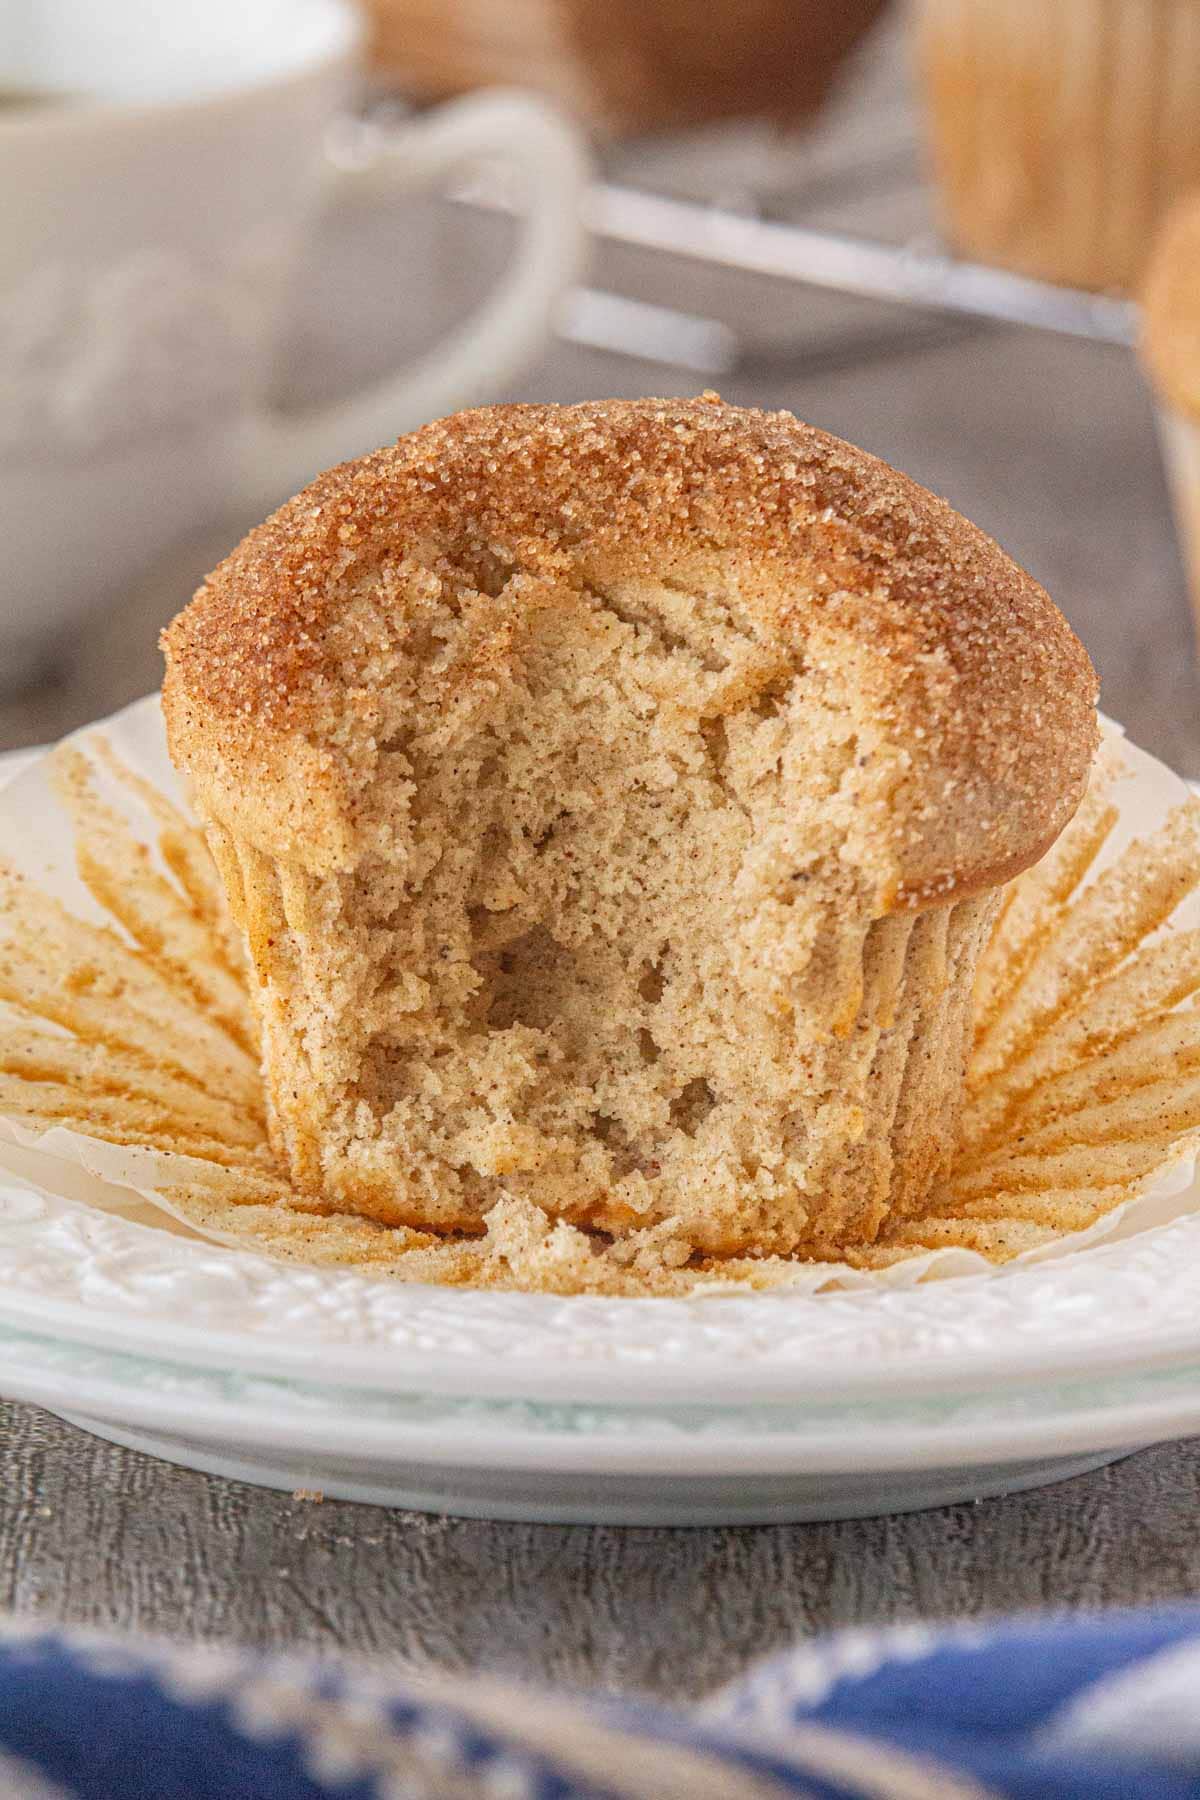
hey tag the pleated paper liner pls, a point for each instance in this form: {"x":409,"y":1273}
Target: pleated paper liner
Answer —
{"x":128,"y":1072}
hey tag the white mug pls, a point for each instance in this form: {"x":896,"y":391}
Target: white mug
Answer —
{"x":159,"y":168}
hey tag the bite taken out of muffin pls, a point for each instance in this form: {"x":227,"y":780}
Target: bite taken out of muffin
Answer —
{"x":615,"y":800}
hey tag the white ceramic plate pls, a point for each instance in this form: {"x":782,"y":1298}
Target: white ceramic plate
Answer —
{"x":109,"y":1281}
{"x":605,"y":1464}
{"x":724,"y":1408}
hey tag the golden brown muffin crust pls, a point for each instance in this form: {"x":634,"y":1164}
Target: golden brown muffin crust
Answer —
{"x":1170,"y":342}
{"x":960,"y":657}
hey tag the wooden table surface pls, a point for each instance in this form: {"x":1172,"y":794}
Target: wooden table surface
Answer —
{"x":93,"y":1534}
{"x":1049,"y":445}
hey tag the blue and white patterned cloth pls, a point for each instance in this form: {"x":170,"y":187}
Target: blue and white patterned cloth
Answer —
{"x":1074,"y":1711}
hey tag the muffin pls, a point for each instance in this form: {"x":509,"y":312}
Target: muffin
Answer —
{"x":626,"y":67}
{"x":1059,"y":134}
{"x":615,"y":800}
{"x":1170,"y":347}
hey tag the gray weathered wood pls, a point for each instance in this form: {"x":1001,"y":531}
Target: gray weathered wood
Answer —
{"x":90,"y":1533}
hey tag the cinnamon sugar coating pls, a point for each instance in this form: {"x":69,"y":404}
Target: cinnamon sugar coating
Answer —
{"x":614,"y":799}
{"x":821,"y":549}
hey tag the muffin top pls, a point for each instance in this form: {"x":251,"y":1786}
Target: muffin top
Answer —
{"x":948,"y":660}
{"x":1171,"y":308}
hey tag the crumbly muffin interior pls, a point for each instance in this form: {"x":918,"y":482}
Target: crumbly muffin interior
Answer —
{"x":614,"y":940}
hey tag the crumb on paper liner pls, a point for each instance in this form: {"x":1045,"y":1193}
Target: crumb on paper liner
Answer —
{"x":127,"y":1049}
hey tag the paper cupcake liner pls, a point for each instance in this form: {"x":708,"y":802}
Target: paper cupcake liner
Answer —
{"x":128,"y":1066}
{"x":1060,"y":133}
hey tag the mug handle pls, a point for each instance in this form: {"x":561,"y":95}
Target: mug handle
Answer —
{"x":284,"y":451}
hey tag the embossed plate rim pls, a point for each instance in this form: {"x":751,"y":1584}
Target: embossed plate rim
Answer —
{"x":716,"y":1349}
{"x":484,"y":1435}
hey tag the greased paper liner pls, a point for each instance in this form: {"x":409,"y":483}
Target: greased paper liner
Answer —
{"x":128,"y":1079}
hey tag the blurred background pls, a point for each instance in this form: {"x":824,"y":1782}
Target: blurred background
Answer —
{"x":924,"y":228}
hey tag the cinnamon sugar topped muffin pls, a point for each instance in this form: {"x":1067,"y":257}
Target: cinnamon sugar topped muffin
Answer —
{"x":615,"y":799}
